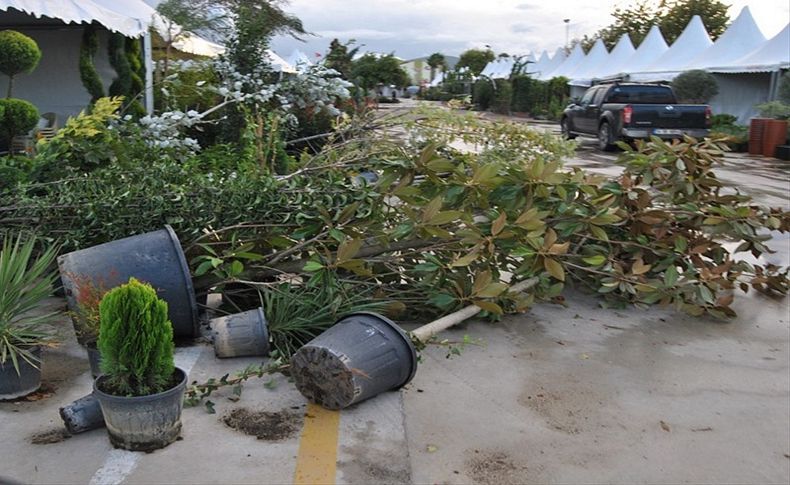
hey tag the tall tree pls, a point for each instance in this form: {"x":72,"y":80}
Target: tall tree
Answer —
{"x":677,"y":14}
{"x":436,"y":60}
{"x":180,"y":17}
{"x":340,"y":57}
{"x":475,"y":60}
{"x":370,"y":70}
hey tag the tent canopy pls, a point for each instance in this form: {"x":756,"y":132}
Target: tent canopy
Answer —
{"x":741,"y":38}
{"x":596,"y":58}
{"x":772,"y":55}
{"x":616,"y":62}
{"x":691,"y":43}
{"x":651,"y":48}
{"x":552,"y":64}
{"x":131,"y":18}
{"x":568,"y":65}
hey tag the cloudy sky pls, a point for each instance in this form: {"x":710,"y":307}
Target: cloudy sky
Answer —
{"x":413,"y":28}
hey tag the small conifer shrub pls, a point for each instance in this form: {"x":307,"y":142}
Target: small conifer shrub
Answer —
{"x":135,"y":341}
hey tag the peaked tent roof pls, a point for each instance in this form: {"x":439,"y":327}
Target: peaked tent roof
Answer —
{"x":279,"y":63}
{"x":131,"y":18}
{"x":691,"y":43}
{"x":552,"y":64}
{"x":741,"y":38}
{"x":597,"y":56}
{"x":651,"y":48}
{"x":568,"y":65}
{"x":543,"y":60}
{"x":299,"y":59}
{"x":773,"y":55}
{"x":616,"y":62}
{"x":503,"y":68}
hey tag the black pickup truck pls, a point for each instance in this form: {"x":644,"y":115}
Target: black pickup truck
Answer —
{"x":627,"y":111}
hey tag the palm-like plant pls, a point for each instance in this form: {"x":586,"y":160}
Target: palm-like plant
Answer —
{"x":25,"y":281}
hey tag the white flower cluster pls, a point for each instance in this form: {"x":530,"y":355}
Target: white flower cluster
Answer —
{"x":166,"y":130}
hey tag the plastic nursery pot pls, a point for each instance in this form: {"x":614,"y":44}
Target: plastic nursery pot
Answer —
{"x":155,"y":258}
{"x":143,"y":423}
{"x":756,"y":133}
{"x":94,"y":359}
{"x":241,"y":334}
{"x":14,"y":385}
{"x":361,"y":356}
{"x":775,"y":134}
{"x":82,"y":415}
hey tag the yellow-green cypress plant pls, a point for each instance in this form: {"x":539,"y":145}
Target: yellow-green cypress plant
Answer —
{"x":135,"y":341}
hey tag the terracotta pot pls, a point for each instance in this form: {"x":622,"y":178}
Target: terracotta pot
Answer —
{"x":756,"y":131}
{"x":775,"y":134}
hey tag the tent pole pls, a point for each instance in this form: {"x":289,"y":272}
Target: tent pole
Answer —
{"x":149,"y":73}
{"x":772,"y":90}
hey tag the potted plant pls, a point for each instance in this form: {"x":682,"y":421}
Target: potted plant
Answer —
{"x":775,"y":130}
{"x":141,"y":391}
{"x":25,"y":281}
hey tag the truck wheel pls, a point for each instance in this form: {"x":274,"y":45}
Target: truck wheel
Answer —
{"x":605,"y":137}
{"x":565,"y":129}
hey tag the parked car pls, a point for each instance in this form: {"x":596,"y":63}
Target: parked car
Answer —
{"x":628,"y":111}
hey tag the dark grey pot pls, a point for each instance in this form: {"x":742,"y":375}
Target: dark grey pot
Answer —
{"x":241,"y":334}
{"x":94,"y":359}
{"x":82,"y":415}
{"x":361,"y":356}
{"x":143,"y":423}
{"x":14,"y":385}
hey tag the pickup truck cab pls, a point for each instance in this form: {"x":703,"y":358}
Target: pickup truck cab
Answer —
{"x":627,"y":111}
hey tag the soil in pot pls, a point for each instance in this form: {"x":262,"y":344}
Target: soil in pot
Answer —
{"x":143,"y":423}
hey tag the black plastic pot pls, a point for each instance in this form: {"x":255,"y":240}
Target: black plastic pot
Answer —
{"x":14,"y":385}
{"x":82,"y":415}
{"x":361,"y":356}
{"x":94,"y":359}
{"x":241,"y":334}
{"x":143,"y":423}
{"x":155,"y":258}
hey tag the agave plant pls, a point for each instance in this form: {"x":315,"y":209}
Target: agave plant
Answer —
{"x":25,"y":281}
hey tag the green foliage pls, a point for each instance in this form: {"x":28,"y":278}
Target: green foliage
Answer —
{"x":127,"y":83}
{"x":723,"y":119}
{"x":483,"y":93}
{"x":774,"y":109}
{"x":695,"y":86}
{"x":14,"y":170}
{"x":85,"y":143}
{"x":475,"y":60}
{"x":341,"y":57}
{"x":370,"y":70}
{"x":677,"y":14}
{"x":18,"y":54}
{"x":503,"y":93}
{"x":135,"y":341}
{"x":783,"y":94}
{"x":88,"y":74}
{"x":25,"y":282}
{"x":19,"y":117}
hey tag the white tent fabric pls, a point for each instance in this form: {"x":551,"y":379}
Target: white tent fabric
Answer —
{"x":279,"y":63}
{"x":742,"y":37}
{"x":596,"y":58}
{"x":568,"y":65}
{"x":692,"y":42}
{"x":197,"y":45}
{"x":299,"y":59}
{"x":535,"y":68}
{"x":616,"y":62}
{"x":132,"y":18}
{"x":651,"y":48}
{"x":551,"y":65}
{"x":773,"y":55}
{"x":438,"y":79}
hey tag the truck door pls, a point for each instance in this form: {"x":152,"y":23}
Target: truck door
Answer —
{"x":588,"y":114}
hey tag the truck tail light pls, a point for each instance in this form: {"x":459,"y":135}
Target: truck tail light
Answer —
{"x":708,"y":114}
{"x":628,"y":112}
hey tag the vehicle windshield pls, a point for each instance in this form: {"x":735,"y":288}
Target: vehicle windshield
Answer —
{"x":641,"y":94}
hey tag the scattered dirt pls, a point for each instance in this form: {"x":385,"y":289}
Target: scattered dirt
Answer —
{"x":55,"y":435}
{"x":264,"y":425}
{"x":665,"y":426}
{"x":494,"y":468}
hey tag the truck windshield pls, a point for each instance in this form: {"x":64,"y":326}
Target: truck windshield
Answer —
{"x":641,"y":94}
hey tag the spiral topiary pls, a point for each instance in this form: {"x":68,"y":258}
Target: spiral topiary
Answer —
{"x":18,"y":54}
{"x":135,"y":341}
{"x":88,"y":74}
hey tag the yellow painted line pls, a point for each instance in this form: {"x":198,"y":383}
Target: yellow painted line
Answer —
{"x":317,"y":459}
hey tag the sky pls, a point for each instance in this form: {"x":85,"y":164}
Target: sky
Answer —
{"x":415,"y":28}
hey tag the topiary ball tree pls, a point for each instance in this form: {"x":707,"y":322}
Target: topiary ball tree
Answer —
{"x":135,"y":341}
{"x":18,"y":117}
{"x":695,"y":86}
{"x":18,"y":54}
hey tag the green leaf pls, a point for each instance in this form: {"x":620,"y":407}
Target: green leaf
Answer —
{"x":489,"y":306}
{"x":445,"y":217}
{"x":337,"y":234}
{"x":596,"y":260}
{"x":432,"y":208}
{"x":236,"y":267}
{"x":498,"y":224}
{"x":203,"y":268}
{"x":671,"y":276}
{"x":442,"y":300}
{"x":465,"y":260}
{"x":313,"y":266}
{"x":492,"y":290}
{"x":348,"y":249}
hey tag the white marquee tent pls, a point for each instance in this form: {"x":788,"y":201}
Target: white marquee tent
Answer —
{"x":586,"y":69}
{"x":692,"y":42}
{"x":773,"y":55}
{"x":568,"y":65}
{"x":299,"y":59}
{"x":543,"y":60}
{"x":616,"y":62}
{"x":742,"y":37}
{"x":552,"y":64}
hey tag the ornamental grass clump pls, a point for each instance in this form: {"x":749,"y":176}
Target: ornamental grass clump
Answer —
{"x":135,"y":341}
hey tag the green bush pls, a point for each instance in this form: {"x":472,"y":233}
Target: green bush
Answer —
{"x":19,"y":117}
{"x":784,"y":89}
{"x":483,"y":93}
{"x":18,"y":54}
{"x":695,"y":86}
{"x":723,"y":119}
{"x":502,"y":96}
{"x":88,"y":73}
{"x":774,"y":109}
{"x":14,"y":170}
{"x":135,"y":341}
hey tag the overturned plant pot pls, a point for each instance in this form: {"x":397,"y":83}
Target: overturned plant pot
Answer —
{"x":143,"y":423}
{"x":94,"y":359}
{"x":361,"y":356}
{"x":241,"y":335}
{"x":15,"y":384}
{"x":155,"y":258}
{"x":82,"y":415}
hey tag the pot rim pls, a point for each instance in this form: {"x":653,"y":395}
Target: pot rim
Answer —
{"x":178,"y":388}
{"x":182,"y":260}
{"x":402,"y":333}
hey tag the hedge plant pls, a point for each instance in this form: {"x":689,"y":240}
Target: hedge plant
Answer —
{"x":695,"y":86}
{"x":135,"y":341}
{"x":88,"y":74}
{"x":19,"y":117}
{"x":18,"y":54}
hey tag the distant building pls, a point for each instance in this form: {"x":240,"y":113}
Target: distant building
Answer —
{"x":420,"y":72}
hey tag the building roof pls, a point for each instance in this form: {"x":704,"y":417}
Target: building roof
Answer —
{"x":131,"y":18}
